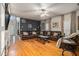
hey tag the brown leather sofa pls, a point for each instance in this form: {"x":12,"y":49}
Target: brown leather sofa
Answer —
{"x":52,"y":34}
{"x":35,"y":34}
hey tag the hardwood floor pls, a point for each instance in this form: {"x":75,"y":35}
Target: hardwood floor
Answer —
{"x":35,"y":48}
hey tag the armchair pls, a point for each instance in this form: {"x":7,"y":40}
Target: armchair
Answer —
{"x":68,"y":44}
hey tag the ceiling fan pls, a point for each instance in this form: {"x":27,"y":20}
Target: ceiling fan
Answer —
{"x":41,"y":8}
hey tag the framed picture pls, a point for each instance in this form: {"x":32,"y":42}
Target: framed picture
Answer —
{"x":55,"y":24}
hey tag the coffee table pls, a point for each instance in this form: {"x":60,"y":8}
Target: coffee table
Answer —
{"x":45,"y":38}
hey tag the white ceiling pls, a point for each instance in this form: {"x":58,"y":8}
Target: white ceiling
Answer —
{"x":33,"y":10}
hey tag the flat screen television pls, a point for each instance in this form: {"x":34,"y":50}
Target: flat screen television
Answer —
{"x":7,"y":19}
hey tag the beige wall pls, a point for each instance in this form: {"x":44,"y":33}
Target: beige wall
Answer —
{"x":56,"y":19}
{"x":46,"y":26}
{"x":73,"y":22}
{"x":67,"y":24}
{"x":77,"y":14}
{"x":42,"y":25}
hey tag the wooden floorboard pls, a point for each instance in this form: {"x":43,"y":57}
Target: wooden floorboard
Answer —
{"x":32,"y":47}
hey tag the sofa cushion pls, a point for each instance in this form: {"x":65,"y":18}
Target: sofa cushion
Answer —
{"x":34,"y":33}
{"x":55,"y":34}
{"x":25,"y":33}
{"x":48,"y":33}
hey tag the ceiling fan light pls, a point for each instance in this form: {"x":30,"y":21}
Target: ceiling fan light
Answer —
{"x":44,"y":15}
